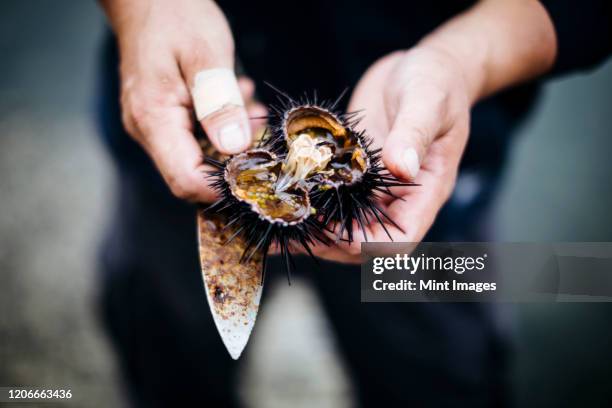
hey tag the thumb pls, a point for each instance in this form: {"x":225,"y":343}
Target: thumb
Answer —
{"x":413,"y":129}
{"x":220,"y":109}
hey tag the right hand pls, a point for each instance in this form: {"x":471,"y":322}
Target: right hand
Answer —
{"x":163,"y":46}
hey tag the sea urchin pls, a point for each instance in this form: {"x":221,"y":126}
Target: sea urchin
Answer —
{"x":311,"y":172}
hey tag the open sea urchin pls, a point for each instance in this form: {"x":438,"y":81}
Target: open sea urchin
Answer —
{"x":310,"y":172}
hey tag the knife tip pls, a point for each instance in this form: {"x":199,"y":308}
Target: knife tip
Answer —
{"x":234,"y":336}
{"x":236,"y":347}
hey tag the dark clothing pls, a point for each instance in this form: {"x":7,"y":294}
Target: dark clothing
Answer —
{"x":398,"y":354}
{"x":584,"y":33}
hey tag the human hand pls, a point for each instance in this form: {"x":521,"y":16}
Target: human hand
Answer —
{"x":177,"y":56}
{"x":416,"y":107}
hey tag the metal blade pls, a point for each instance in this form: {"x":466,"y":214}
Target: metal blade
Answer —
{"x":233,"y":289}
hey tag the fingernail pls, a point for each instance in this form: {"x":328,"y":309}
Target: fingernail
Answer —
{"x":233,"y":138}
{"x":410,"y":161}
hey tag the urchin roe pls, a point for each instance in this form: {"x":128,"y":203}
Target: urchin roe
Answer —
{"x":348,"y":162}
{"x":255,"y":184}
{"x":308,"y":155}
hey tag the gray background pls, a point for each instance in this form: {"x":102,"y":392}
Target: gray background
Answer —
{"x":56,"y":181}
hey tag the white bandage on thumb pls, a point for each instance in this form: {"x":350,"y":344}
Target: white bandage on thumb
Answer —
{"x":220,"y":108}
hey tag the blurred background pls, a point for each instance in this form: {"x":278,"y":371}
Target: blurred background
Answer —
{"x":56,"y":181}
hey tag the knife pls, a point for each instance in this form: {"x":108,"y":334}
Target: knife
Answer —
{"x":233,"y":288}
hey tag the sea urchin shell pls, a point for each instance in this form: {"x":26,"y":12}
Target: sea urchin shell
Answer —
{"x":312,"y":169}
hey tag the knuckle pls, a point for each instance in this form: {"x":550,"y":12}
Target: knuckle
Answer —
{"x":420,"y":135}
{"x":138,"y":113}
{"x":437,"y":96}
{"x":136,"y":109}
{"x":141,"y":113}
{"x":127,"y":117}
{"x":140,"y":116}
{"x":182,"y":190}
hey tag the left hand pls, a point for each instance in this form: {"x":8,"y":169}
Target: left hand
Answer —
{"x":416,"y":106}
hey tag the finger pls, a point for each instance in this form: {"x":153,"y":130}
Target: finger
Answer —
{"x":416,"y":123}
{"x":247,"y":89}
{"x":218,"y":101}
{"x":177,"y":155}
{"x":256,"y":111}
{"x":410,"y":217}
{"x":415,"y":213}
{"x":332,"y":253}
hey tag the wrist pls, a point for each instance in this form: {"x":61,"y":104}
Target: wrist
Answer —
{"x":461,"y":82}
{"x":122,"y":15}
{"x":497,"y":44}
{"x":470,"y":67}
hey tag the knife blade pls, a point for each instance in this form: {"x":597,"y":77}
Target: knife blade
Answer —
{"x":233,"y":288}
